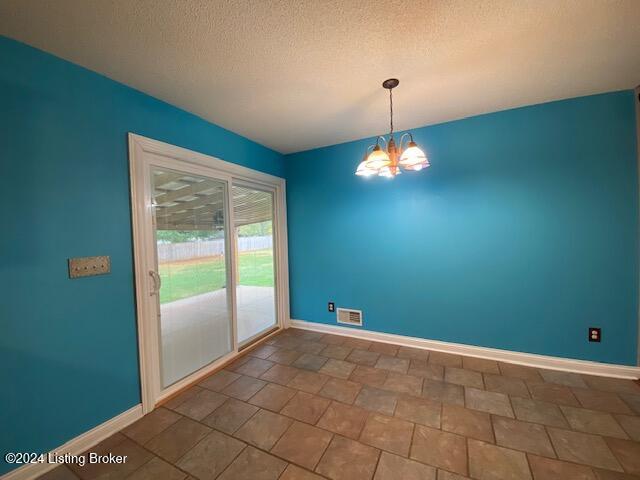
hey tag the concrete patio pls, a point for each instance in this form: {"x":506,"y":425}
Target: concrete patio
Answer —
{"x":197,"y":330}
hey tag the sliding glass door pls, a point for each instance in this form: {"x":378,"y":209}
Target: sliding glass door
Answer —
{"x":210,"y":262}
{"x":192,"y":273}
{"x":253,"y":213}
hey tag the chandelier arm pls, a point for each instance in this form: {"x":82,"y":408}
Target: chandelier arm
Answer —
{"x":404,"y":135}
{"x":383,"y":139}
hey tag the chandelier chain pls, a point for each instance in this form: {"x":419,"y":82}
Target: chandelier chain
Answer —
{"x":391,"y":109}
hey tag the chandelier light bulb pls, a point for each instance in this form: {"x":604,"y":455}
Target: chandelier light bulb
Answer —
{"x":413,"y":155}
{"x":378,"y":158}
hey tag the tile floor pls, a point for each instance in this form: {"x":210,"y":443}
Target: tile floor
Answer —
{"x":306,"y":406}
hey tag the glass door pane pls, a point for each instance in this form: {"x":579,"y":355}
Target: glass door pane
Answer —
{"x":253,"y":233}
{"x":191,"y":251}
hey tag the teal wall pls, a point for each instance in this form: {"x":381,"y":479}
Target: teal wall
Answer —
{"x":521,"y":235}
{"x":68,"y":348}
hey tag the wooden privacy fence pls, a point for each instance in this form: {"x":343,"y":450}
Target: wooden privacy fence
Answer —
{"x":171,"y":252}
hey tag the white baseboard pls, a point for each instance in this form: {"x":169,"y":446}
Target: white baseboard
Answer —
{"x":528,"y":359}
{"x":79,"y":444}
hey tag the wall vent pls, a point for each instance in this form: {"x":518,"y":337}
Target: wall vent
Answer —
{"x":349,"y":317}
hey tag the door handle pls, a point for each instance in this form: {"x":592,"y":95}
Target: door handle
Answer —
{"x":157,"y":282}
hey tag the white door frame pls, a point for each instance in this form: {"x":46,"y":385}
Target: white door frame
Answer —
{"x":143,"y":153}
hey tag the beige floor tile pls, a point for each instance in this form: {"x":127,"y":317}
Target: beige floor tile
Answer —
{"x":633,"y":401}
{"x":548,"y":469}
{"x":151,"y":425}
{"x":402,"y":383}
{"x":244,"y":388}
{"x":293,"y":472}
{"x":583,"y":448}
{"x":252,"y":464}
{"x":176,"y":440}
{"x":237,"y":362}
{"x":445,"y":359}
{"x":631,"y":425}
{"x":272,"y":397}
{"x":311,"y":347}
{"x":420,"y":368}
{"x":230,"y":416}
{"x":480,"y":365}
{"x":609,"y":475}
{"x":309,"y":361}
{"x":254,"y":367}
{"x":59,"y":473}
{"x":592,"y":421}
{"x":440,"y":449}
{"x":337,"y":352}
{"x":311,"y":336}
{"x":387,"y":349}
{"x":331,"y":339}
{"x":263,"y":351}
{"x":310,"y":382}
{"x":363,"y":357}
{"x":373,"y":377}
{"x":520,"y":371}
{"x":201,"y":404}
{"x":419,"y":410}
{"x":413,"y":353}
{"x":280,"y":374}
{"x":285,"y":357}
{"x":302,"y":444}
{"x":603,"y":401}
{"x":444,"y":475}
{"x":156,"y":469}
{"x":387,"y":433}
{"x":347,"y":459}
{"x":490,"y":402}
{"x":393,"y":364}
{"x":211,"y":456}
{"x":344,"y":391}
{"x":469,"y":423}
{"x":306,"y":407}
{"x":182,"y":397}
{"x":263,"y":429}
{"x":393,"y":467}
{"x":343,"y":419}
{"x":443,"y":392}
{"x":376,"y":400}
{"x":613,"y":385}
{"x":489,"y":462}
{"x":627,"y":453}
{"x":538,"y":412}
{"x":553,"y":393}
{"x":567,"y":379}
{"x":219,"y":381}
{"x":337,"y":368}
{"x":529,"y":437}
{"x":358,"y":343}
{"x":507,"y":385}
{"x":136,"y":457}
{"x":464,"y":377}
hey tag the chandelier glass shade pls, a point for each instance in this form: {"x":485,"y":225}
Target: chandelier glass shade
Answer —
{"x":391,"y":160}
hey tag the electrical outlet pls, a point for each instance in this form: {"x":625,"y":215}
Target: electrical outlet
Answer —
{"x":595,"y":334}
{"x":331,"y":307}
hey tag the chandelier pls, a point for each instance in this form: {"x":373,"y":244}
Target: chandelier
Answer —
{"x":391,"y":160}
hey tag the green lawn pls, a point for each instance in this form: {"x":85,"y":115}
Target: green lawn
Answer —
{"x":186,"y":279}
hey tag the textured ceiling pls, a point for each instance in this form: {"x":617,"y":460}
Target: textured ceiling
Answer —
{"x":298,"y":74}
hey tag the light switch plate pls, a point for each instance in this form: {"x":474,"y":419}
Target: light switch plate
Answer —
{"x":89,"y":266}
